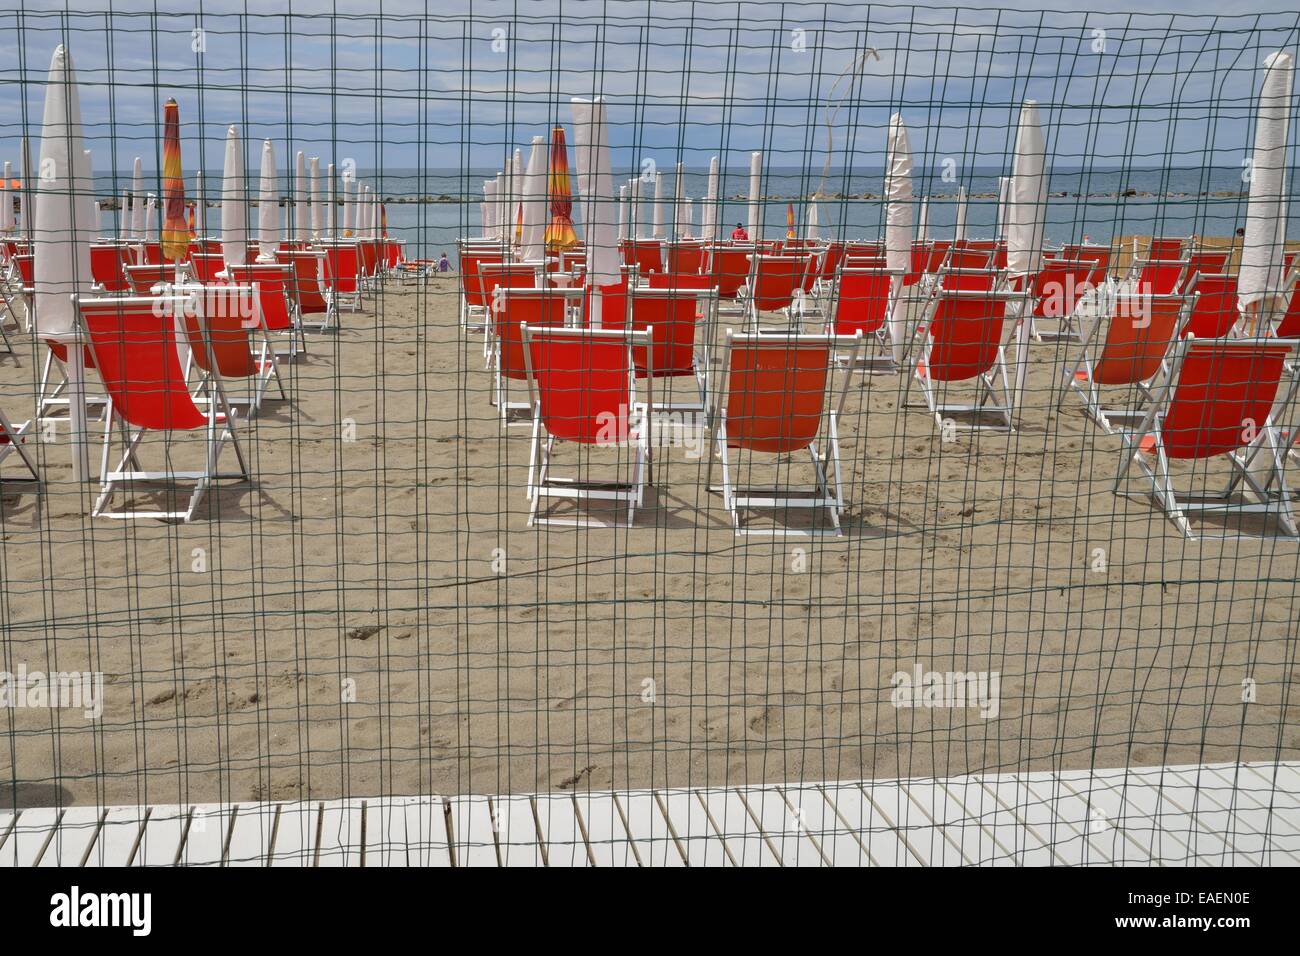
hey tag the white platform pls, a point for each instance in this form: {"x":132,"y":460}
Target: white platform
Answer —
{"x":1213,"y":814}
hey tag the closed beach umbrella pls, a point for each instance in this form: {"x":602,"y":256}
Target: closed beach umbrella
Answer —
{"x":151,"y":219}
{"x":317,"y":206}
{"x":1026,"y":218}
{"x":959,"y":228}
{"x":755,"y":199}
{"x":503,"y":211}
{"x":234,"y":224}
{"x":175,"y":230}
{"x":137,"y":202}
{"x":657,"y":215}
{"x":687,"y":224}
{"x":301,"y":198}
{"x":331,"y":200}
{"x":790,"y":232}
{"x":596,"y":189}
{"x":7,"y":201}
{"x":200,"y":205}
{"x":490,"y":197}
{"x":350,"y":207}
{"x":268,"y":205}
{"x":559,"y":231}
{"x":923,"y":222}
{"x":812,"y":221}
{"x":623,"y":212}
{"x":709,"y":216}
{"x":64,"y":220}
{"x":679,"y":199}
{"x":898,"y":224}
{"x":533,"y":205}
{"x":1259,"y":278}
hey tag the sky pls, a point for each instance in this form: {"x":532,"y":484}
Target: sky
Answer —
{"x":458,"y":85}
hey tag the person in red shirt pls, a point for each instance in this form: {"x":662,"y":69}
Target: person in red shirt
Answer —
{"x":739,"y":234}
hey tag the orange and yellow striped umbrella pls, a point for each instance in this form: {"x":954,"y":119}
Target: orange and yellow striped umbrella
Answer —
{"x":789,"y":220}
{"x":383,"y":220}
{"x":175,"y":230}
{"x":189,"y":220}
{"x":519,"y":226}
{"x":559,"y":231}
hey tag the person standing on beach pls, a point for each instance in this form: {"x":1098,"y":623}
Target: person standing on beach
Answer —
{"x":444,"y":264}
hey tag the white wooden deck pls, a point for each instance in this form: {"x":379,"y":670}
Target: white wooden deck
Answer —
{"x":1215,"y":815}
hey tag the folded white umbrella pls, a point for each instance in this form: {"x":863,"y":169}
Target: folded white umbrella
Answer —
{"x":151,"y":219}
{"x":483,"y":214}
{"x":898,"y":225}
{"x":812,"y":220}
{"x":634,"y":208}
{"x":301,"y":198}
{"x":7,"y":201}
{"x":1259,"y":278}
{"x":1026,"y":220}
{"x":1004,"y":191}
{"x":533,"y":202}
{"x":234,"y":202}
{"x":331,"y":200}
{"x":657,"y":215}
{"x":349,"y":210}
{"x":363,"y":210}
{"x":317,"y":205}
{"x":268,"y":205}
{"x":490,"y":198}
{"x":200,"y":206}
{"x":62,"y":225}
{"x":959,"y":228}
{"x":755,"y":200}
{"x":709,"y":216}
{"x":516,"y":191}
{"x":503,"y":207}
{"x":679,"y":198}
{"x":29,"y":190}
{"x":65,"y":213}
{"x":137,"y":202}
{"x":596,"y":191}
{"x":623,"y":212}
{"x":687,"y":224}
{"x":923,"y":222}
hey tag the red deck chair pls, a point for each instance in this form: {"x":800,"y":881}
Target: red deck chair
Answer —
{"x":368,"y":250}
{"x":1167,"y":247}
{"x":392,"y":254}
{"x":1057,"y":289}
{"x":1216,"y":404}
{"x":473,"y":301}
{"x":613,"y":306}
{"x":237,"y":342}
{"x":1214,"y":308}
{"x":342,"y":279}
{"x":1098,"y":254}
{"x":1288,"y":326}
{"x":965,"y":258}
{"x":134,"y":341}
{"x":1159,"y":276}
{"x":1138,"y":335}
{"x":108,"y":267}
{"x":684,"y":257}
{"x":13,"y":440}
{"x":644,"y":254}
{"x":144,"y":279}
{"x":23,"y":267}
{"x":938,"y":254}
{"x":860,"y":302}
{"x":963,"y":332}
{"x":305,"y":288}
{"x":582,"y":388}
{"x":271,"y":280}
{"x":513,"y":307}
{"x":777,"y":396}
{"x":728,"y":267}
{"x":1205,"y":261}
{"x":681,"y":323}
{"x":773,"y":283}
{"x":205,"y":266}
{"x":973,"y":279}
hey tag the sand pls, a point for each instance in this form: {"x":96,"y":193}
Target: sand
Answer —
{"x":477,"y":654}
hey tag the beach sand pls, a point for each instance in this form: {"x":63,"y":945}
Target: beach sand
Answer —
{"x":476,"y":654}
